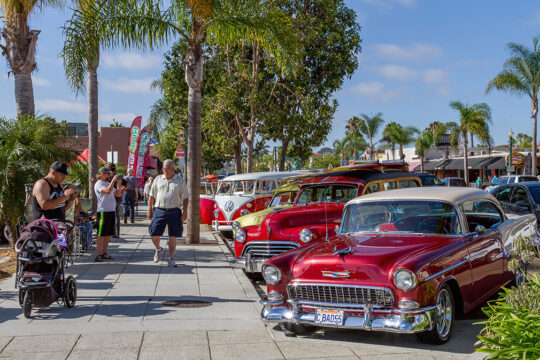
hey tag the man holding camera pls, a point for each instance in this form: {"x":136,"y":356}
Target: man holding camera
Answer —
{"x":49,"y":200}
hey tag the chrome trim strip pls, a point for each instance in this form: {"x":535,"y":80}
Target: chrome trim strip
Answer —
{"x":342,"y":285}
{"x":446,"y":270}
{"x":353,"y":307}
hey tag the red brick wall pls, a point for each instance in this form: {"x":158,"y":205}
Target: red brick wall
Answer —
{"x":117,"y":136}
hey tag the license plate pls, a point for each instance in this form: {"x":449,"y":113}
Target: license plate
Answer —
{"x":329,"y":317}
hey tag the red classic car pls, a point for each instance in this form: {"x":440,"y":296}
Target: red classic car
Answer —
{"x":403,"y":261}
{"x":316,"y":211}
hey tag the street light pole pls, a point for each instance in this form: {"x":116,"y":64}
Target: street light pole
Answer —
{"x":509,"y":167}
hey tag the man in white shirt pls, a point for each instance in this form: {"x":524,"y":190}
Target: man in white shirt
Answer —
{"x":105,"y":193}
{"x":167,"y":194}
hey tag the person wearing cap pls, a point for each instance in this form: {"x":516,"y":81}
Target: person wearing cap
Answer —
{"x":121,"y":186}
{"x":105,"y":194}
{"x":131,"y":196}
{"x":49,"y":200}
{"x":167,"y":194}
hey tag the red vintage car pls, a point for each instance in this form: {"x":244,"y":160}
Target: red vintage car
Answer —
{"x":316,"y":212}
{"x":403,"y":261}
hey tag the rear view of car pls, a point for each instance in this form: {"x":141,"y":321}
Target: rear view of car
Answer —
{"x":453,"y":181}
{"x":428,"y":179}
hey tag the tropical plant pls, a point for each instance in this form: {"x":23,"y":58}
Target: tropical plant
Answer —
{"x":521,"y":76}
{"x":340,"y":149}
{"x":474,"y":119}
{"x":116,"y":124}
{"x":389,"y":136}
{"x":422,"y":144}
{"x":28,"y":146}
{"x":323,"y":162}
{"x":404,"y":135}
{"x":354,"y":143}
{"x":20,"y":47}
{"x":524,"y":140}
{"x":368,"y":126}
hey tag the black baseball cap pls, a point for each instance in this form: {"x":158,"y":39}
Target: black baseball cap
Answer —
{"x":111,"y":166}
{"x":61,"y":167}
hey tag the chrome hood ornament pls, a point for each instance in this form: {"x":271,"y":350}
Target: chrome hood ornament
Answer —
{"x":336,"y":274}
{"x":343,"y":252}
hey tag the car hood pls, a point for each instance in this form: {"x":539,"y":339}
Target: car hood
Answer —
{"x":256,"y":218}
{"x":372,"y":258}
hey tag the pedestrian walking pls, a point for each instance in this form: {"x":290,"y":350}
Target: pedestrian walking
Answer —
{"x":106,"y":207}
{"x":479,"y":182}
{"x":49,"y":200}
{"x":147,"y":187}
{"x":167,"y":194}
{"x":131,"y":196}
{"x":122,"y":186}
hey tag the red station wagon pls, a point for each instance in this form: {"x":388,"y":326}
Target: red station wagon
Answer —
{"x":317,"y":210}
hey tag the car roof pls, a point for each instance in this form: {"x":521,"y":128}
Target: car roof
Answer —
{"x":454,"y":195}
{"x":268,"y":175}
{"x":525,"y":183}
{"x":356,"y":176}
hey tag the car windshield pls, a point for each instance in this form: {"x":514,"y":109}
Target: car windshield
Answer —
{"x":428,"y":180}
{"x":283,"y":198}
{"x":243,"y":187}
{"x":527,"y":178}
{"x":501,"y":181}
{"x":404,"y":216}
{"x":327,"y":193}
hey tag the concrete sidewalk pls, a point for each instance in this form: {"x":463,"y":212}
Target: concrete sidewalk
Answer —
{"x":120,"y":314}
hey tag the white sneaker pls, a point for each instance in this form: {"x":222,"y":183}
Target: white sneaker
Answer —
{"x":171,"y":262}
{"x":157,"y":255}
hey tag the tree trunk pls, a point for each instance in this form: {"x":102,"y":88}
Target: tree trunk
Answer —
{"x":283,"y":155}
{"x":249,"y":151}
{"x":535,"y":121}
{"x":393,"y":151}
{"x":401,"y":155}
{"x":237,"y":149}
{"x":465,"y":159}
{"x":472,"y":140}
{"x":92,"y":133}
{"x":422,"y":164}
{"x":194,"y":73}
{"x":24,"y":94}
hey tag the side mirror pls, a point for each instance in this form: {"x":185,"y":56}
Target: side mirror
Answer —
{"x":523,"y":205}
{"x":336,"y":229}
{"x":480,"y":229}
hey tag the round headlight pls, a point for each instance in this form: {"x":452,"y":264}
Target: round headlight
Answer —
{"x":306,"y":235}
{"x":271,"y":274}
{"x":241,"y":236}
{"x":235,"y":226}
{"x":404,"y":279}
{"x":216,"y":214}
{"x":244,"y":212}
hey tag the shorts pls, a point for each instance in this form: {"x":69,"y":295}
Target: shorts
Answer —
{"x":105,"y":221}
{"x":172,"y":218}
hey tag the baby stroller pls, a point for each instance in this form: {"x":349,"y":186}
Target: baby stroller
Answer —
{"x":41,"y":261}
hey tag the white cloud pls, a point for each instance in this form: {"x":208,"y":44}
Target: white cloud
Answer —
{"x":40,"y":81}
{"x":443,"y":91}
{"x":535,"y":20}
{"x":434,"y":76}
{"x":415,"y":52}
{"x":398,"y":72}
{"x":131,"y":61}
{"x":54,"y":105}
{"x":125,"y":119}
{"x":374,"y":91}
{"x":127,"y":85}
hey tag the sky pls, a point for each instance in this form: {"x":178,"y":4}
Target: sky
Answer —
{"x":417,"y":56}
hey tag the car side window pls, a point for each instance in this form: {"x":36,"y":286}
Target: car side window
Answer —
{"x":390,"y":185}
{"x":407,"y":184}
{"x":483,"y":213}
{"x":503,"y":194}
{"x":519,"y":194}
{"x":372,"y":188}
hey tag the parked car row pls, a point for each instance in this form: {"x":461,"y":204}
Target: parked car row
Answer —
{"x":367,"y":247}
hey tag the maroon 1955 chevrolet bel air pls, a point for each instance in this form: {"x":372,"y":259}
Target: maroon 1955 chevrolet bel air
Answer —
{"x":403,"y":261}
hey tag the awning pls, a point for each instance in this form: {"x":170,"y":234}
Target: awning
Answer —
{"x":500,"y":163}
{"x":476,"y":163}
{"x":83,"y":157}
{"x":454,"y":164}
{"x":434,"y":164}
{"x":414,"y":164}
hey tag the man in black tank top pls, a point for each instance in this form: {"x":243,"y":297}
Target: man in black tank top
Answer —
{"x":49,"y":199}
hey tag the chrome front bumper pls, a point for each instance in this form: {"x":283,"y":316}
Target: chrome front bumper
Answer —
{"x":216,"y":226}
{"x":361,"y":317}
{"x":249,"y":264}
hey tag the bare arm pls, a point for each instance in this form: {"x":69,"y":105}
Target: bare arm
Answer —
{"x":41,"y":192}
{"x":185,"y":209}
{"x":151,"y":201}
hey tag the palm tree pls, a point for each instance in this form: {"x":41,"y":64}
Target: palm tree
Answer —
{"x":403,"y":136}
{"x":389,"y":135}
{"x":353,"y":143}
{"x":473,"y":120}
{"x":524,"y":140}
{"x":368,"y":126}
{"x":339,"y":148}
{"x":521,"y":75}
{"x":422,"y":144}
{"x":20,"y":47}
{"x":143,"y":24}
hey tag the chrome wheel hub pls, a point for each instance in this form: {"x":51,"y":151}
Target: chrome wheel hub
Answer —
{"x":443,"y":318}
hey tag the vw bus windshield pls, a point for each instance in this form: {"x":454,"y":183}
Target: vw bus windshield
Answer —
{"x":327,"y":193}
{"x":244,"y":187}
{"x":430,"y":217}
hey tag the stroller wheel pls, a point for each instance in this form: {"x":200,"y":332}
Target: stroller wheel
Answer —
{"x":70,"y":292}
{"x":27,"y":304}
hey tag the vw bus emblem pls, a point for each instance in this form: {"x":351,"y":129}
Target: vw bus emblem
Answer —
{"x":229,"y":205}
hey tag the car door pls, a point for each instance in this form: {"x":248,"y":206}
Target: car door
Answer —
{"x":503,"y":194}
{"x":485,"y":248}
{"x":520,"y":203}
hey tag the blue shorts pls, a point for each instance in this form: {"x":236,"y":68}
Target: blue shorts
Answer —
{"x":172,"y":218}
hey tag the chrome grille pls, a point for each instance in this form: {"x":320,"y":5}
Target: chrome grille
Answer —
{"x":267,"y":248}
{"x":380,"y":298}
